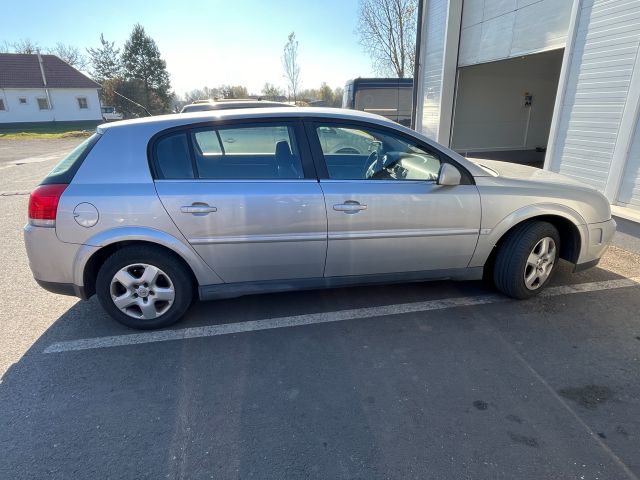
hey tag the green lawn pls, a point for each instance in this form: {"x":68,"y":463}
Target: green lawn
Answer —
{"x":9,"y":131}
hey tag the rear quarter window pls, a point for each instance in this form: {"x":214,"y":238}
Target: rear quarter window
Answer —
{"x":172,"y":158}
{"x":64,"y":171}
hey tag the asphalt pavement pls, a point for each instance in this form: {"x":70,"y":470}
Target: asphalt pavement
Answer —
{"x":428,"y":380}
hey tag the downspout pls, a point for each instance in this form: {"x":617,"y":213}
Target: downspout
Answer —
{"x":44,"y":81}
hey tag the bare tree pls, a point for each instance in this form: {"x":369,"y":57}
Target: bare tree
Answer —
{"x":69,"y":54}
{"x":290,"y":64}
{"x":271,"y":92}
{"x":387,"y":30}
{"x":25,"y":46}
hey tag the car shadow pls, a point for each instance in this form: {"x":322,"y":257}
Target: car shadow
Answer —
{"x":209,"y":406}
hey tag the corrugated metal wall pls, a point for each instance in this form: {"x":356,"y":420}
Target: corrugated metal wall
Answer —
{"x":597,"y":87}
{"x":435,"y":29}
{"x":630,"y":187}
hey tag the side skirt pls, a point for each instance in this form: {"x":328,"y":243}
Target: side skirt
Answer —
{"x":239,"y":289}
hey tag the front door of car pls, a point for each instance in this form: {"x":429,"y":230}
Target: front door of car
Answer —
{"x":386,"y":212}
{"x":246,"y":198}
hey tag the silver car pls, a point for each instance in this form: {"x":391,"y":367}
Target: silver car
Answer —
{"x":151,"y":213}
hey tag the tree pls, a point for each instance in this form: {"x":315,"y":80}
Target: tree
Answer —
{"x":69,"y":54}
{"x":337,"y":97}
{"x":131,"y":89}
{"x":290,"y":64}
{"x":25,"y":46}
{"x":326,"y":94}
{"x":233,"y":91}
{"x":271,"y":92}
{"x":104,"y":61}
{"x":141,"y":61}
{"x":387,"y":30}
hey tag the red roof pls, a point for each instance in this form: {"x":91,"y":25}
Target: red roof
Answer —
{"x":22,"y":71}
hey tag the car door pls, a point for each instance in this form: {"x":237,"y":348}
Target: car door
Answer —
{"x":389,"y":215}
{"x":246,"y":197}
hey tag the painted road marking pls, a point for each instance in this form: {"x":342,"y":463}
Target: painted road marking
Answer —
{"x":324,"y":317}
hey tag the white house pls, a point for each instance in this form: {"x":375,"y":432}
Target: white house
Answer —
{"x":518,"y":78}
{"x":43,"y":88}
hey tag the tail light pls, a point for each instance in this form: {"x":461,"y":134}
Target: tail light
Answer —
{"x":43,"y":205}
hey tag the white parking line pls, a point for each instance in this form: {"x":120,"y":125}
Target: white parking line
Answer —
{"x":324,"y":317}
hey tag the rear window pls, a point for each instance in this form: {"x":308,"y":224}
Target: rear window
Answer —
{"x":64,"y":171}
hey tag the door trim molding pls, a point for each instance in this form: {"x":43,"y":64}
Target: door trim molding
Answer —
{"x":417,"y":232}
{"x":273,"y":238}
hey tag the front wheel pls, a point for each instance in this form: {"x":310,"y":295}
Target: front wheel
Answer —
{"x":144,"y":287}
{"x":527,"y":259}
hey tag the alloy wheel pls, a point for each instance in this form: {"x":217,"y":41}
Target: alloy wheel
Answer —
{"x":142,"y":291}
{"x":540,"y":263}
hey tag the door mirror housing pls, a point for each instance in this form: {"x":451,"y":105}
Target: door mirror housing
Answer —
{"x":449,"y":175}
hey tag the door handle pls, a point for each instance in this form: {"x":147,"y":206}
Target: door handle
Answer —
{"x":198,"y":209}
{"x":350,"y":207}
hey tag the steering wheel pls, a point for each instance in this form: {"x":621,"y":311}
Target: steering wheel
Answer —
{"x":370,"y":165}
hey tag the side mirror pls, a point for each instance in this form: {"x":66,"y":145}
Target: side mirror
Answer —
{"x":449,"y":175}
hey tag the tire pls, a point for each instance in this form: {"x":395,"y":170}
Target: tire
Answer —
{"x":522,"y":269}
{"x":166,"y":297}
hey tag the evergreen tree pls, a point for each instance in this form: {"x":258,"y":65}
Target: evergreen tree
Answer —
{"x":141,"y":61}
{"x":104,"y":61}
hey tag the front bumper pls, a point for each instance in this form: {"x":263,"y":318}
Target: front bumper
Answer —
{"x":598,"y":238}
{"x":63,"y":288}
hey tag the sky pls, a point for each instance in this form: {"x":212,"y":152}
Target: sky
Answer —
{"x":208,"y":43}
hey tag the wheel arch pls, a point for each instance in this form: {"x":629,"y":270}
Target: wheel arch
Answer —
{"x":89,"y":259}
{"x":568,"y":222}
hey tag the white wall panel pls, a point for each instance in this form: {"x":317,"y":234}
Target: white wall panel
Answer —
{"x":511,"y":28}
{"x":495,"y":8}
{"x":495,"y":41}
{"x":472,"y":12}
{"x":470,"y":45}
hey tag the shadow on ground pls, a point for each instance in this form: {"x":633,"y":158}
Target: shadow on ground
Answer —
{"x":442,"y":394}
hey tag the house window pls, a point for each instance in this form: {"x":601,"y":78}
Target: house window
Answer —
{"x":43,"y":103}
{"x":82,"y":103}
{"x":2,"y":107}
{"x":22,"y":100}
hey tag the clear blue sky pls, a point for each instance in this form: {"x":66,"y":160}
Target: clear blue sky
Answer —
{"x":208,"y":42}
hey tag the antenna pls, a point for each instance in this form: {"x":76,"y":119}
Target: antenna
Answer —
{"x":135,"y":103}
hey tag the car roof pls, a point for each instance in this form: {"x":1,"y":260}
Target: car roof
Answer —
{"x":177,"y":119}
{"x":229,"y":104}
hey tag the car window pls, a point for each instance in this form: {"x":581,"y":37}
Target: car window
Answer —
{"x":66,"y":169}
{"x":252,"y":152}
{"x":367,"y":154}
{"x":171,"y":158}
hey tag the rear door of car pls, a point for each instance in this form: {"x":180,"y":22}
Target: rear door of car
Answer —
{"x":246,"y":196}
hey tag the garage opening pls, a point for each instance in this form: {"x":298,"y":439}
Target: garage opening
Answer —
{"x":503,"y":109}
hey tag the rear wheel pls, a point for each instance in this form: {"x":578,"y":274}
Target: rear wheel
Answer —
{"x":144,"y":287}
{"x":527,"y":259}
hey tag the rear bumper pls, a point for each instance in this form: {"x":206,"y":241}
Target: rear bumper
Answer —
{"x":55,"y":265}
